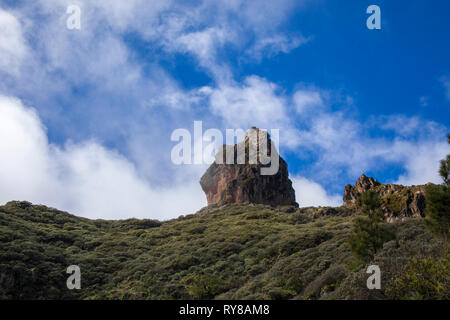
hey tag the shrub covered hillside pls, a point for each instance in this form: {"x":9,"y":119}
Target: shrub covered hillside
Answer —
{"x":230,"y":252}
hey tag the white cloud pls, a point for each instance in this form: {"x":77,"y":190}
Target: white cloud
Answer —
{"x":309,"y":193}
{"x":420,"y":160}
{"x":344,"y":145}
{"x":274,"y":44}
{"x":204,"y":45}
{"x":401,"y":125}
{"x":86,"y":179}
{"x":98,"y":59}
{"x":200,"y":28}
{"x":12,"y":44}
{"x":254,"y":103}
{"x":306,"y":100}
{"x":264,"y":16}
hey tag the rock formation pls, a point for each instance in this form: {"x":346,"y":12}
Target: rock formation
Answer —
{"x":397,"y":201}
{"x":242,"y":182}
{"x":363,"y":184}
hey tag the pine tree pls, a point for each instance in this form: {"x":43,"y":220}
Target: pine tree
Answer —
{"x":369,"y":232}
{"x":438,"y":202}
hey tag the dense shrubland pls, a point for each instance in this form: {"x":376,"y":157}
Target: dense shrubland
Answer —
{"x":232,"y":252}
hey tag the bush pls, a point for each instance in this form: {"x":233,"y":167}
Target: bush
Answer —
{"x":438,"y":210}
{"x":326,"y":282}
{"x":423,"y":278}
{"x":203,"y":286}
{"x":369,"y":233}
{"x":438,"y":201}
{"x":368,"y":237}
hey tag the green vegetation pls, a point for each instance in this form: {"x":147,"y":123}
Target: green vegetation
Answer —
{"x":231,"y":252}
{"x":444,"y":169}
{"x":397,"y":201}
{"x":369,"y":233}
{"x":438,"y":202}
{"x":424,"y":278}
{"x":438,"y":210}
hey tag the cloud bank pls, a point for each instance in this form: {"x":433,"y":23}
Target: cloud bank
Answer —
{"x":311,"y":194}
{"x":86,"y":179}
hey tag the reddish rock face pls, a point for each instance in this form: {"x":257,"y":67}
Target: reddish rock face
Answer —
{"x":352,"y":193}
{"x":243,"y":183}
{"x":397,"y":201}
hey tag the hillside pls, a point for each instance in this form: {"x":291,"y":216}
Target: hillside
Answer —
{"x":240,"y":251}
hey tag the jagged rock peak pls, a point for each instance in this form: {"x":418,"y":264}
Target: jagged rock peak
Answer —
{"x":397,"y":201}
{"x":364,"y":183}
{"x":242,"y":181}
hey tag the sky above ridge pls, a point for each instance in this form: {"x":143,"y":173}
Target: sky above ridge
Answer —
{"x":86,"y":115}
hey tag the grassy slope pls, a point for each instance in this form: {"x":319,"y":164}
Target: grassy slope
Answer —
{"x":237,"y":252}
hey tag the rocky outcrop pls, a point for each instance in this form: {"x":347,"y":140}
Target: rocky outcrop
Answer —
{"x":242,"y":181}
{"x":397,"y":201}
{"x":352,"y":193}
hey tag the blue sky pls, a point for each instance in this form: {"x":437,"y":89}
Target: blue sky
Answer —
{"x":86,"y":115}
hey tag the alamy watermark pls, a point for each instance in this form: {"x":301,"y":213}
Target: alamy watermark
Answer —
{"x":74,"y":20}
{"x":209,"y":147}
{"x":374,"y":21}
{"x":74,"y":280}
{"x":373,"y":281}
